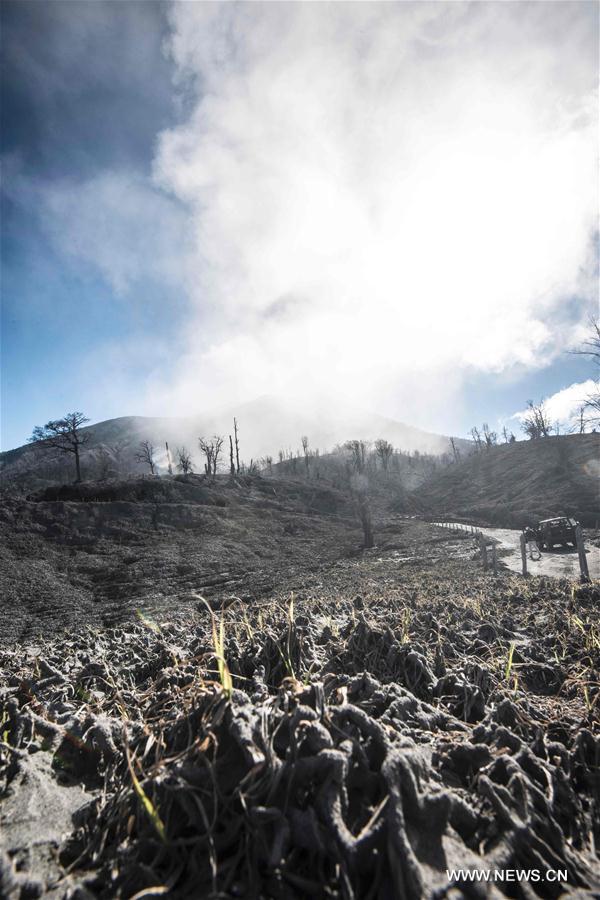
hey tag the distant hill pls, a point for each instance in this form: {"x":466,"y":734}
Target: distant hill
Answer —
{"x":266,"y":425}
{"x":514,"y":483}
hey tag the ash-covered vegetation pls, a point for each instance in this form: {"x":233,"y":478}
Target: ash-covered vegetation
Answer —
{"x":404,"y":717}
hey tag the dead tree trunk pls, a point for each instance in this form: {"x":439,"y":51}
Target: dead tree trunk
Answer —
{"x":364,"y":512}
{"x":237,"y":447}
{"x":231,"y":462}
{"x":77,"y":463}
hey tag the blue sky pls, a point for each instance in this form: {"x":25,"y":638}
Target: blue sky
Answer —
{"x":85,"y":90}
{"x":393,"y":205}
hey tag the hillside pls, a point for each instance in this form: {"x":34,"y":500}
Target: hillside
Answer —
{"x":513,"y":483}
{"x":266,"y":425}
{"x":95,"y":553}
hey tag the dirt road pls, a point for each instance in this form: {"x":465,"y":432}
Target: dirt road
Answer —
{"x":562,"y":562}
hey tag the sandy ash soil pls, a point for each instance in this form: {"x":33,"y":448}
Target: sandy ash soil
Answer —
{"x":370,"y":722}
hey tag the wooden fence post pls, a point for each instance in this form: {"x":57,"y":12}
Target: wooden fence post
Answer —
{"x":524,"y":554}
{"x":583,"y":563}
{"x":484,"y":554}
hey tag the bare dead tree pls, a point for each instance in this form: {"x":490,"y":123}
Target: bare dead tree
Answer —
{"x":237,"y":446}
{"x":358,"y":454}
{"x":306,"y":452}
{"x":490,"y":437}
{"x":592,"y":403}
{"x":536,"y":424}
{"x":207,"y":449}
{"x":184,"y":460}
{"x":384,"y":450}
{"x":63,"y":435}
{"x":231,"y":462}
{"x":583,"y":420}
{"x":591,"y":348}
{"x":211,"y":449}
{"x":455,"y":450}
{"x":169,"y":460}
{"x":476,"y":435}
{"x":364,"y":511}
{"x":218,"y":443}
{"x":145,"y":455}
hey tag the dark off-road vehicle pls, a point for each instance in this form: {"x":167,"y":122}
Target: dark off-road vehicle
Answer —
{"x":560,"y":530}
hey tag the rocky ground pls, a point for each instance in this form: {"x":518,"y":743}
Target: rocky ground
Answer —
{"x":369,"y":722}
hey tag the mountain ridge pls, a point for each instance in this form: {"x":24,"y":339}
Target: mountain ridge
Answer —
{"x":266,"y":425}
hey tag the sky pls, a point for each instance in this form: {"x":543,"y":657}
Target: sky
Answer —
{"x":391,"y":206}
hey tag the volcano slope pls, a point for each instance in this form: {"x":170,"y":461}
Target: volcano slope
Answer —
{"x":401,"y":715}
{"x":515,"y":484}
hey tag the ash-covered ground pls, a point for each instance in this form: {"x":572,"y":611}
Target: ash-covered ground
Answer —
{"x":95,"y":553}
{"x":360,"y":725}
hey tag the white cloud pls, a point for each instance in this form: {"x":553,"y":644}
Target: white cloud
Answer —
{"x":381,"y":195}
{"x":368,"y":200}
{"x":115,"y":223}
{"x":564,"y":406}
